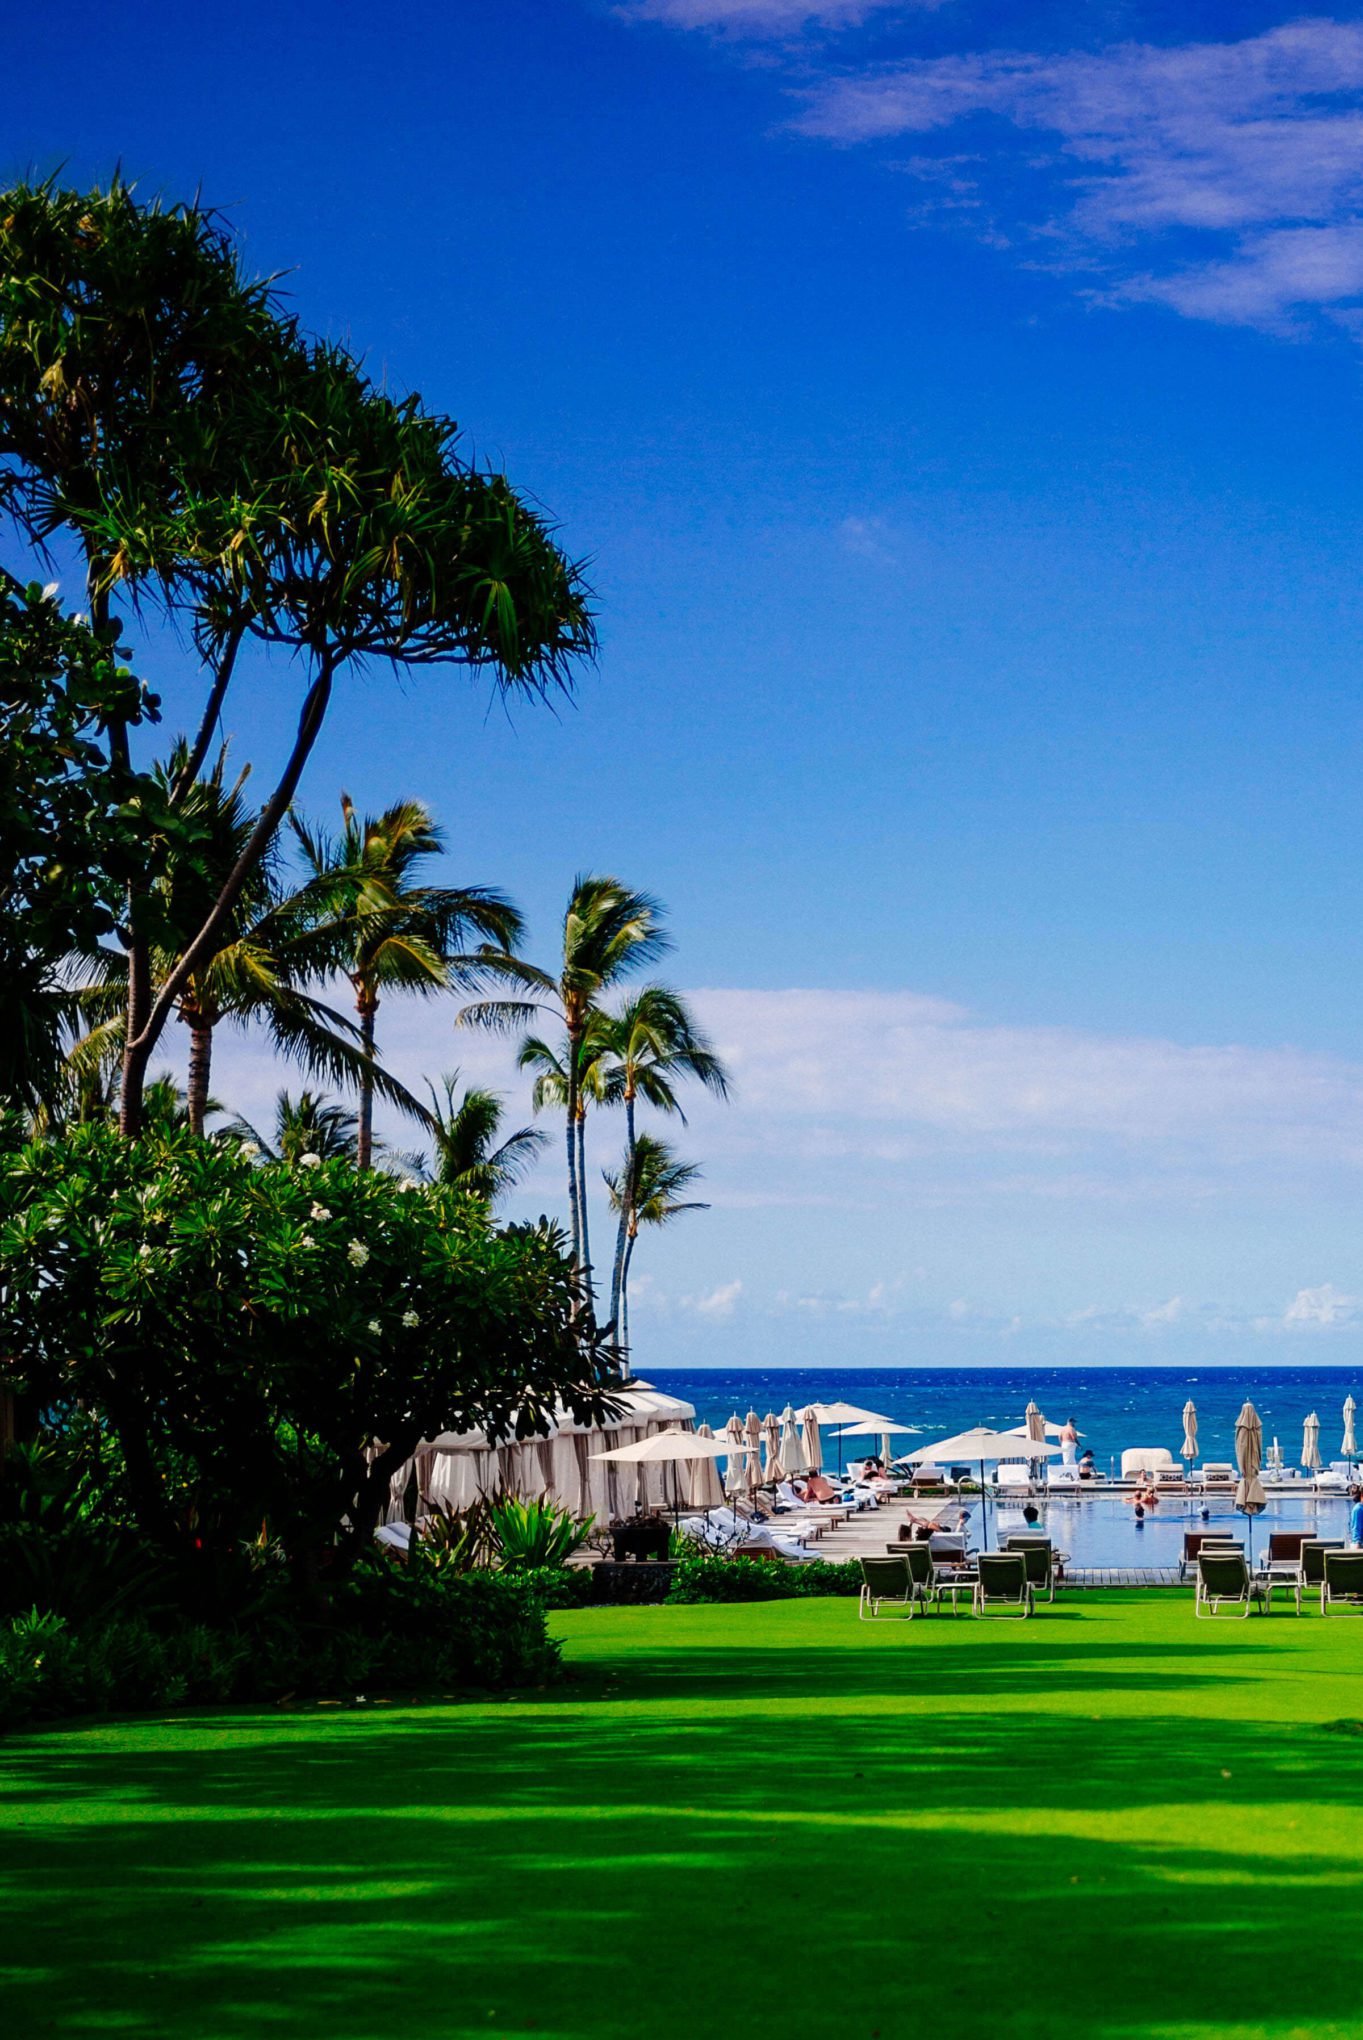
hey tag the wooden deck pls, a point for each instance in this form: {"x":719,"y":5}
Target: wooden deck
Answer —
{"x":1123,"y":1576}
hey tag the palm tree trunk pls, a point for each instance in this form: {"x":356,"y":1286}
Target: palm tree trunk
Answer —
{"x":582,"y":1200}
{"x":200,"y":1065}
{"x":364,"y":1135}
{"x":574,"y":1207}
{"x":624,"y":1288}
{"x":626,"y":1211}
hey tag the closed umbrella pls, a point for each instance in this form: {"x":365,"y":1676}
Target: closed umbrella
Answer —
{"x":706,"y":1487}
{"x":753,"y":1471}
{"x":1249,"y":1457}
{"x":735,"y":1472}
{"x":1349,"y":1449}
{"x":771,"y":1433}
{"x":1035,"y":1422}
{"x":1189,"y":1430}
{"x":792,"y":1442}
{"x":1310,"y":1443}
{"x":809,"y":1422}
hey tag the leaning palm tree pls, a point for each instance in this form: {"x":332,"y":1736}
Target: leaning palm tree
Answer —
{"x":651,"y":1045}
{"x":469,"y":1155}
{"x":387,"y":929}
{"x":649,"y":1189}
{"x":609,"y":933}
{"x":305,"y":1125}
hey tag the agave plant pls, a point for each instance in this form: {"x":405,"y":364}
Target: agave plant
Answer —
{"x":530,"y":1534}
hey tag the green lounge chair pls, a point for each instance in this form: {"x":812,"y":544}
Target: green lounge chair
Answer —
{"x":1223,"y":1580}
{"x":1040,"y":1560}
{"x":1341,"y":1590}
{"x":1002,"y":1583}
{"x":1313,"y":1559}
{"x":884,"y":1579}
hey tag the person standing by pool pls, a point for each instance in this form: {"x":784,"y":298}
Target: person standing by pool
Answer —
{"x":1356,"y":1516}
{"x":1069,"y":1442}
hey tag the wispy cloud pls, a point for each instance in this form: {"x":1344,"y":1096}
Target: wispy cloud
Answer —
{"x":1321,"y":1309}
{"x":762,"y":18}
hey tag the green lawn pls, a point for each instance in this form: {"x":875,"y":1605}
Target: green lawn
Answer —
{"x":743,"y":1821}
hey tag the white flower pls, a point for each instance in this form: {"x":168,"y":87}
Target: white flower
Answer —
{"x":145,"y":1251}
{"x":307,"y":1240}
{"x":250,"y":1148}
{"x":309,"y":1161}
{"x":410,"y":1319}
{"x":375,"y":1327}
{"x":319,"y":1211}
{"x":357,"y":1253}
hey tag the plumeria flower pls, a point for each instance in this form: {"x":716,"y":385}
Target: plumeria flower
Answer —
{"x":375,"y":1327}
{"x":410,"y":1319}
{"x":250,"y":1148}
{"x":307,"y":1240}
{"x":309,"y":1161}
{"x":357,"y":1253}
{"x":144,"y":1251}
{"x":319,"y":1211}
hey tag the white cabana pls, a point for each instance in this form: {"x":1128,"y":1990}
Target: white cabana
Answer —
{"x":457,"y":1467}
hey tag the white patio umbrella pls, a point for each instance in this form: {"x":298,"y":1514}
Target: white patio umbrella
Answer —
{"x":735,"y":1473}
{"x":663,"y":1448}
{"x":1249,"y":1457}
{"x":982,"y":1447}
{"x":886,"y":1433}
{"x":809,"y":1423}
{"x":792,"y":1442}
{"x":847,"y":1413}
{"x":773,"y":1470}
{"x":706,"y":1487}
{"x":1349,"y":1448}
{"x":1189,"y":1450}
{"x":1310,"y":1443}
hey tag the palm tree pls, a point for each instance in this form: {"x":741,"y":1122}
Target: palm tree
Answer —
{"x":648,"y":1192}
{"x":609,"y":933}
{"x":268,"y":948}
{"x":387,"y":929}
{"x":651,"y":1044}
{"x":551,"y":1090}
{"x":305,"y":1125}
{"x":468,"y":1153}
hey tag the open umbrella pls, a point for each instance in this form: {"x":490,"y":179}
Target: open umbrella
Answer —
{"x":884,"y":1431}
{"x":809,"y":1421}
{"x":1349,"y":1449}
{"x":792,"y":1442}
{"x":1249,"y":1457}
{"x":981,"y":1447}
{"x":1189,"y":1430}
{"x":1310,"y":1443}
{"x":664,"y":1448}
{"x":847,"y":1413}
{"x":771,"y":1434}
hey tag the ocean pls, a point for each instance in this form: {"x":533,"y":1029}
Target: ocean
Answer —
{"x":1113,"y":1406}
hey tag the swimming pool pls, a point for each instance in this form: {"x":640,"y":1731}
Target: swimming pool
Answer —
{"x":1102,"y":1529}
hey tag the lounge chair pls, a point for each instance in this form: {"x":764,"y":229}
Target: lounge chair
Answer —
{"x":885,"y":1579}
{"x":928,"y":1480}
{"x":1195,"y":1541}
{"x":1313,"y":1552}
{"x":1223,"y":1580}
{"x":1040,"y":1560}
{"x":1001,"y":1582}
{"x":1170,"y":1480}
{"x":1341,"y":1591}
{"x":1143,"y":1462}
{"x":1013,"y":1479}
{"x":1217,"y":1475}
{"x":1063,"y":1477}
{"x":819,"y":1512}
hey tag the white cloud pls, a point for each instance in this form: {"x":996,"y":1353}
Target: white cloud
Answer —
{"x":761,"y":18}
{"x":1326,"y":1306}
{"x":1255,"y":147}
{"x":718,"y":1304}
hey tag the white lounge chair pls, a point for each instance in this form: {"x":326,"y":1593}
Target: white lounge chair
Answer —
{"x":1063,"y":1477}
{"x":1217,"y":1474}
{"x":1012,"y":1478}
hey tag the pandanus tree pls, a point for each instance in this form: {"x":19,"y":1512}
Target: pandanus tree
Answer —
{"x":389,"y":929}
{"x":649,"y":1190}
{"x":162,"y":411}
{"x":472,"y":1152}
{"x":610,"y":932}
{"x":651,"y":1046}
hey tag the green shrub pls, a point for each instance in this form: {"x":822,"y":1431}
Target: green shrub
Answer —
{"x":821,"y":1576}
{"x":731,"y":1579}
{"x":531,"y":1535}
{"x":561,"y":1586}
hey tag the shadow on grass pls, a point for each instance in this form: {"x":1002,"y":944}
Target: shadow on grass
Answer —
{"x":703,"y":1843}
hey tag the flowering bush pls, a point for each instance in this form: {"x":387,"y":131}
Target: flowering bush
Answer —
{"x":262,"y":1347}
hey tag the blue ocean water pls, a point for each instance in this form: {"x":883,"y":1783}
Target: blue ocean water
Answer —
{"x":1115,"y":1407}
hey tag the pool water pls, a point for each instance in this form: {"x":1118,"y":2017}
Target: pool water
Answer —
{"x":1102,"y":1530}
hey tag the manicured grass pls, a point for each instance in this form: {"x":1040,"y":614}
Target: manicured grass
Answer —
{"x":738,"y":1821}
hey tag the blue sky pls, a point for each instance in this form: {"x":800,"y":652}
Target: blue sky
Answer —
{"x":961,"y":408}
